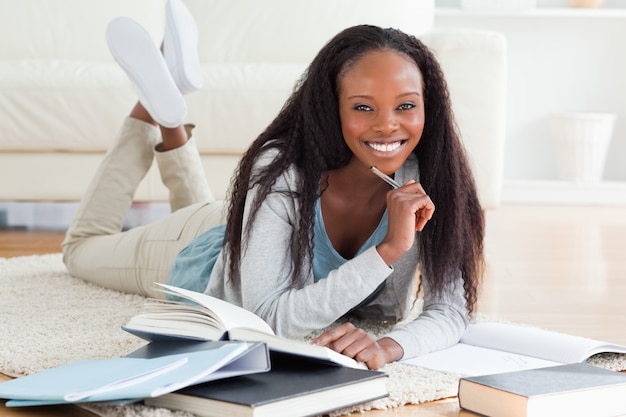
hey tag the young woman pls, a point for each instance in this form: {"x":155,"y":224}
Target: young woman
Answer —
{"x":309,"y":234}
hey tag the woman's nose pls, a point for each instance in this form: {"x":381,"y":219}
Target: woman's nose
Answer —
{"x":386,"y":123}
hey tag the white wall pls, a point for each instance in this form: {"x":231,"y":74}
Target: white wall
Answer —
{"x":556,"y":62}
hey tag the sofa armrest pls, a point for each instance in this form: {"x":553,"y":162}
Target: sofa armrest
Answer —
{"x":474,"y":63}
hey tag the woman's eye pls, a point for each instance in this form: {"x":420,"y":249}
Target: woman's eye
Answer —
{"x":406,"y":106}
{"x":362,"y":107}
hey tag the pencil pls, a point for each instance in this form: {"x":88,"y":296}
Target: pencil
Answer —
{"x":385,"y":177}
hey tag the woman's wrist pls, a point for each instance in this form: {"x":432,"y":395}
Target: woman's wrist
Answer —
{"x":393,"y":350}
{"x":388,"y":253}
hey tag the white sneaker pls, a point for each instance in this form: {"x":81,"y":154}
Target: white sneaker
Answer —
{"x":135,"y":51}
{"x":180,"y":47}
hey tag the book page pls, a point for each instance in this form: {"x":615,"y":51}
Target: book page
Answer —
{"x":473,"y":361}
{"x":536,"y":342}
{"x":154,"y":327}
{"x":490,"y":348}
{"x":230,"y":315}
{"x":296,"y":347}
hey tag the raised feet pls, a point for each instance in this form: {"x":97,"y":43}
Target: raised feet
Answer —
{"x":180,"y":47}
{"x":135,"y":51}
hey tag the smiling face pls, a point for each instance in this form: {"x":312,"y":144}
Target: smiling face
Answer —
{"x":381,"y":106}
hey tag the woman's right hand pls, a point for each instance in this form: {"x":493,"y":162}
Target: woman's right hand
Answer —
{"x":409,"y":209}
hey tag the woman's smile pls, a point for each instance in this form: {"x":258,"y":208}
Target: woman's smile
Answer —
{"x":386,"y":148}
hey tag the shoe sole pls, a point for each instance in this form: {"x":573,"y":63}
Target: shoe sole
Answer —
{"x":134,"y":50}
{"x":180,"y":47}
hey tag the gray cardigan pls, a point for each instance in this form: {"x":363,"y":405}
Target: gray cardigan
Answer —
{"x":266,"y":287}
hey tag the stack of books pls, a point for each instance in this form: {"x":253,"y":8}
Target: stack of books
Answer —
{"x":292,"y":387}
{"x":211,"y":358}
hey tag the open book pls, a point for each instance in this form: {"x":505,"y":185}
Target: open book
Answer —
{"x":491,"y":348}
{"x":202,"y":317}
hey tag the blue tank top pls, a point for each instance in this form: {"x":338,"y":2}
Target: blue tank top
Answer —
{"x":193,"y":265}
{"x":325,"y":257}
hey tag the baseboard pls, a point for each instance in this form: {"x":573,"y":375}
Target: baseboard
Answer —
{"x":56,"y":216}
{"x":563,"y":192}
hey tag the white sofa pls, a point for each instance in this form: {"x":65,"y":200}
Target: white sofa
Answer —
{"x":62,"y":97}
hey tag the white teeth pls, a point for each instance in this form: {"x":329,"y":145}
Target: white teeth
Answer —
{"x":384,"y":147}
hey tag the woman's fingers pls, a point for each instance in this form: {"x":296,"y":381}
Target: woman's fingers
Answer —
{"x":423,"y":214}
{"x":354,"y":343}
{"x":411,"y":202}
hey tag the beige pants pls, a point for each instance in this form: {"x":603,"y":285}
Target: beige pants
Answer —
{"x":95,"y":247}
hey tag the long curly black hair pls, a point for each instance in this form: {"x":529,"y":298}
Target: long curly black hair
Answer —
{"x":307,"y":133}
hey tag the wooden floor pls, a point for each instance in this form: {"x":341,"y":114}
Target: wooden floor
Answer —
{"x":558,"y":267}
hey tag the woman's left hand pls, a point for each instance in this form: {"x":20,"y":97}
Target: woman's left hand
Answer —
{"x":357,"y":344}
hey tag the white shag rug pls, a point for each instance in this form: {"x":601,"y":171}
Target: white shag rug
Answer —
{"x":48,"y":318}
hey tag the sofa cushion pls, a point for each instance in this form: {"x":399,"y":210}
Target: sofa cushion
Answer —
{"x":77,"y":106}
{"x":238,"y":101}
{"x":52,"y":104}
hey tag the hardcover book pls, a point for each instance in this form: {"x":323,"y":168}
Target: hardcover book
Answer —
{"x":573,"y":390}
{"x":295,"y":387}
